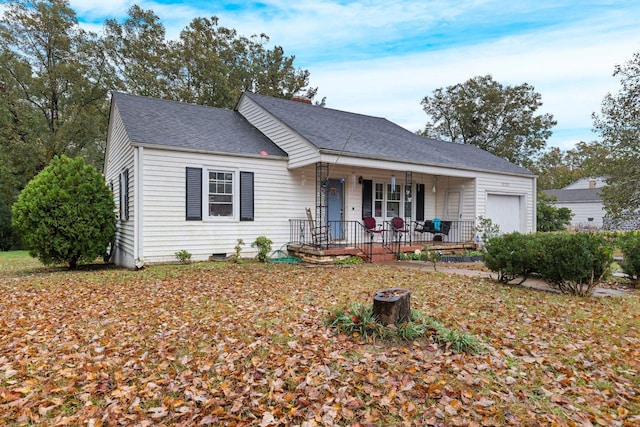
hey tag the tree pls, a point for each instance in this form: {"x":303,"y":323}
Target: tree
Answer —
{"x":557,"y":169}
{"x":57,"y":77}
{"x":139,"y":54}
{"x":66,"y":213}
{"x":619,"y":128}
{"x":208,"y":64}
{"x":554,"y":170}
{"x":550,"y":218}
{"x":53,"y":92}
{"x":9,"y":239}
{"x":497,"y":118}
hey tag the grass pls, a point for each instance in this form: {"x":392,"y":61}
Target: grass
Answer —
{"x":234,"y":344}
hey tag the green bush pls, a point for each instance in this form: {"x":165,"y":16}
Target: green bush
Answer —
{"x":549,"y":217}
{"x":629,"y":244}
{"x":235,"y":257}
{"x":511,"y":255}
{"x":264,"y":247}
{"x":183,"y":256}
{"x":487,"y":229}
{"x":574,"y":263}
{"x":412,"y":256}
{"x":352,"y":260}
{"x":65,"y":214}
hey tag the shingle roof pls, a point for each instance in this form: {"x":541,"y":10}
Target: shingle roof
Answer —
{"x":195,"y":127}
{"x":375,"y":137}
{"x":576,"y":195}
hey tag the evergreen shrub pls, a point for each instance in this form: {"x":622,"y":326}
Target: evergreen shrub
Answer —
{"x":66,"y":213}
{"x":629,"y":244}
{"x":511,"y":256}
{"x":573,"y":263}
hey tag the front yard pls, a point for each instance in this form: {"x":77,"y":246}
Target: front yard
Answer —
{"x":227,"y":344}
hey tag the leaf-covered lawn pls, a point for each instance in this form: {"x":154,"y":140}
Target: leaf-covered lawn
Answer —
{"x":226,"y":344}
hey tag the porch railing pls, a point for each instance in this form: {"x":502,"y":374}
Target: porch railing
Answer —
{"x":458,"y":232}
{"x":353,"y":234}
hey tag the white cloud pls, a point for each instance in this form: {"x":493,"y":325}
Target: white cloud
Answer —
{"x":570,"y":67}
{"x":101,"y":9}
{"x":382,"y":57}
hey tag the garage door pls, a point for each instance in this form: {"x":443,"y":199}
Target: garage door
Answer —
{"x":505,"y":211}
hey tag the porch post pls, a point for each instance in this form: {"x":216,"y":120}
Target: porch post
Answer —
{"x":408,"y":200}
{"x":322,"y":183}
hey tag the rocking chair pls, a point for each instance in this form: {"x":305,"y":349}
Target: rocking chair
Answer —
{"x":319,"y":234}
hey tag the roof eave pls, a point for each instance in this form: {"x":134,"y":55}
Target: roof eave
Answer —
{"x":463,"y":168}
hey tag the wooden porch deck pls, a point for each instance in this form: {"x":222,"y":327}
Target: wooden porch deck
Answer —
{"x":379,"y":252}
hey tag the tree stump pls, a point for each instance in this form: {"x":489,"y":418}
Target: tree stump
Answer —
{"x":392,"y":306}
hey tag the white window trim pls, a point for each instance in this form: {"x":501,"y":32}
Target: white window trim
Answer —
{"x":236,"y":194}
{"x":385,"y":200}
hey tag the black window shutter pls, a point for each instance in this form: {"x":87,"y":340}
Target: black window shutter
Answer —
{"x":120,"y":196}
{"x":194,"y":194}
{"x":420,"y":202}
{"x":246,"y":196}
{"x":367,"y":198}
{"x":126,"y":194}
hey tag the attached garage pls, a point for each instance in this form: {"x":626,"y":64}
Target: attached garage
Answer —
{"x":506,"y":210}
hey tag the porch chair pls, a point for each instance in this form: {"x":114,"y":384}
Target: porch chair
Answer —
{"x":320,"y":234}
{"x":372,"y":228}
{"x":398,"y":227}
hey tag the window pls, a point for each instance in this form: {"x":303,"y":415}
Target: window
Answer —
{"x":220,"y":194}
{"x":379,"y":199}
{"x":393,"y":200}
{"x":221,"y":198}
{"x":124,"y":195}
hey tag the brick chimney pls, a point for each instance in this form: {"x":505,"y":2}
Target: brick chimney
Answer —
{"x":302,"y":99}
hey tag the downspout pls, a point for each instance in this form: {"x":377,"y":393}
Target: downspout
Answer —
{"x":138,"y":241}
{"x":535,"y":204}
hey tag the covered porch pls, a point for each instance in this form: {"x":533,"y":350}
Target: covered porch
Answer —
{"x":379,"y":213}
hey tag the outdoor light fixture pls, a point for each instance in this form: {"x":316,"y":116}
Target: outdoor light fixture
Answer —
{"x":393,"y":182}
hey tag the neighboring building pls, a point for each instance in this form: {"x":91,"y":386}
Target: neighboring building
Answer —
{"x":199,"y":178}
{"x":583,"y":198}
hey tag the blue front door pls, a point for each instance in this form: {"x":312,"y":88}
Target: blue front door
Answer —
{"x":335,"y":207}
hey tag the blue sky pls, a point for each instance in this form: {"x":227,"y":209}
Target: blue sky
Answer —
{"x":381,"y":57}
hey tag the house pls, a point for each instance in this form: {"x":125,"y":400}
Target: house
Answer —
{"x":196,"y":178}
{"x":583,"y":198}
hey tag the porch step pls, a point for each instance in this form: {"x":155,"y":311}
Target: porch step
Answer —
{"x":383,"y":257}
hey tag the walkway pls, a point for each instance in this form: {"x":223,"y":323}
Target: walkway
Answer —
{"x":532,"y":282}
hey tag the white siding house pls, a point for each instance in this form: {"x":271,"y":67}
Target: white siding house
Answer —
{"x":584,"y":200}
{"x":200,"y":178}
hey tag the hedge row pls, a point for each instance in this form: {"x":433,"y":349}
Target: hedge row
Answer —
{"x":572,"y":263}
{"x":629,"y":244}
